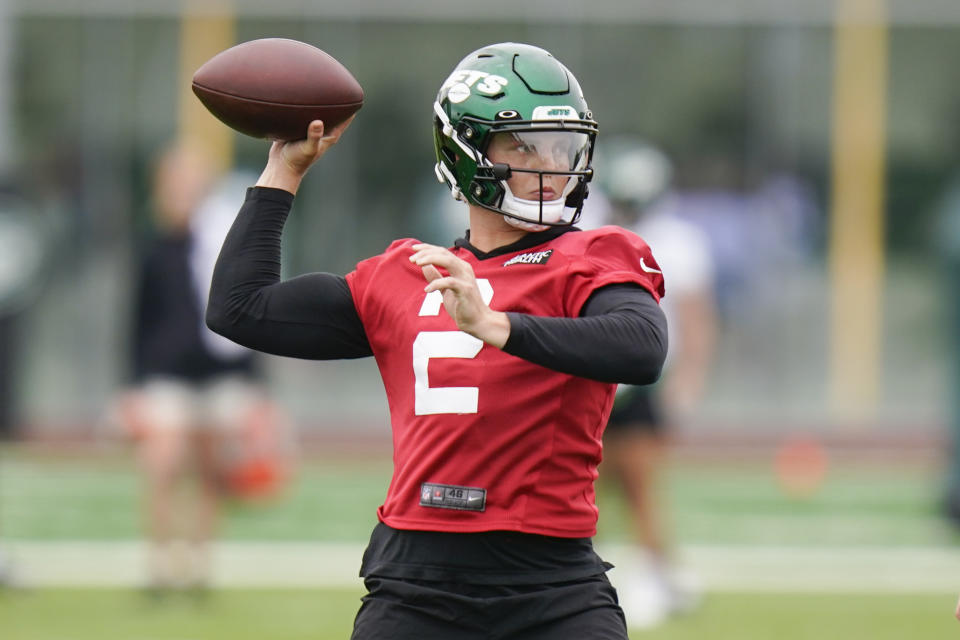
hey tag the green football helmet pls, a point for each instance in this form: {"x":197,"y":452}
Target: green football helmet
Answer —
{"x":521,"y":105}
{"x":633,"y":173}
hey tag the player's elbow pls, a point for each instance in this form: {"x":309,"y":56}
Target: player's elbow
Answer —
{"x":647,"y":367}
{"x":648,"y":371}
{"x":235,"y":316}
{"x":649,"y":355}
{"x":225,"y":306}
{"x":216,"y":320}
{"x":221,"y":320}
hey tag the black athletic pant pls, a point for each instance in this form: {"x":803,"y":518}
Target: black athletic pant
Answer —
{"x":404,"y":609}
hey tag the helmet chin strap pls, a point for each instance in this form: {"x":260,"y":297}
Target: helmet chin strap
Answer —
{"x":530,"y":211}
{"x":526,"y":226}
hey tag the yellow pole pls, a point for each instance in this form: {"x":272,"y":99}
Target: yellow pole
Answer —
{"x":856,"y":249}
{"x":207,"y":27}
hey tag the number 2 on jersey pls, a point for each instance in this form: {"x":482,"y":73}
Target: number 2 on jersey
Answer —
{"x":444,"y":344}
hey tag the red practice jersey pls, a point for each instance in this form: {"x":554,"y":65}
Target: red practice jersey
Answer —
{"x":484,"y":440}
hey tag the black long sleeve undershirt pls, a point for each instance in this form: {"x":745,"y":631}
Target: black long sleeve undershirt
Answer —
{"x":621,"y":335}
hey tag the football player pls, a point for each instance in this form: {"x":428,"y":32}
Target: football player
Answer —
{"x":499,"y":355}
{"x":635,"y":177}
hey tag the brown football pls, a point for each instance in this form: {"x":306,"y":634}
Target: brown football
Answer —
{"x":274,"y":87}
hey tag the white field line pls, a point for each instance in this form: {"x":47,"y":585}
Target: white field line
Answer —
{"x":303,"y":565}
{"x":813,"y":570}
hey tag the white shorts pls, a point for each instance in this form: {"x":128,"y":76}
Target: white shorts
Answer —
{"x":222,"y":404}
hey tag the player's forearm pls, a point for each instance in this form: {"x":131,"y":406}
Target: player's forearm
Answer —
{"x":249,"y":259}
{"x":250,"y":256}
{"x":689,"y":365}
{"x":624,"y":342}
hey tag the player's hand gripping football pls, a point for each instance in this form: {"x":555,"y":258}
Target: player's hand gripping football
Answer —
{"x":288,"y":161}
{"x":461,"y":296}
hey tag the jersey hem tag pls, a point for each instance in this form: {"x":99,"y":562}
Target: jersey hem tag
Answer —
{"x":451,"y":496}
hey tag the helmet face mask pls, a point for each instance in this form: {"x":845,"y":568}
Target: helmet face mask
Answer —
{"x":513,"y":134}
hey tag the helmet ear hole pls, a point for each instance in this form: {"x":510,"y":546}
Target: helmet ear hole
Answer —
{"x":502,"y":171}
{"x":449,"y":155}
{"x":466,"y":131}
{"x":576,"y":197}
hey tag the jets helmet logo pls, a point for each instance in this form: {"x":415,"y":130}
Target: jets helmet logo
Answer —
{"x":462,"y":81}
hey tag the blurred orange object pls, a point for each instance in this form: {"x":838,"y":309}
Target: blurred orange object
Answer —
{"x":258,"y":461}
{"x":801,"y":466}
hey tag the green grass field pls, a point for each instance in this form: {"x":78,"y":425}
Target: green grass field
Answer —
{"x":52,"y":497}
{"x":325,"y":614}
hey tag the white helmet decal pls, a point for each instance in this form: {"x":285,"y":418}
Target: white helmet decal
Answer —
{"x":461,"y":81}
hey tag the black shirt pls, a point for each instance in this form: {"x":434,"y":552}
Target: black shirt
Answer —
{"x":168,"y":319}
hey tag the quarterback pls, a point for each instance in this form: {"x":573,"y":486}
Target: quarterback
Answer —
{"x":499,"y":356}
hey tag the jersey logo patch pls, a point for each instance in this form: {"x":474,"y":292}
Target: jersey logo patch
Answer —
{"x":648,"y":269}
{"x":536,"y":257}
{"x":450,"y":496}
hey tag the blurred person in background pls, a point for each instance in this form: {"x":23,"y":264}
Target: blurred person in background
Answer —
{"x":635,"y":178}
{"x":499,"y":357}
{"x":192,"y":391}
{"x":23,"y":256}
{"x":23,"y":261}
